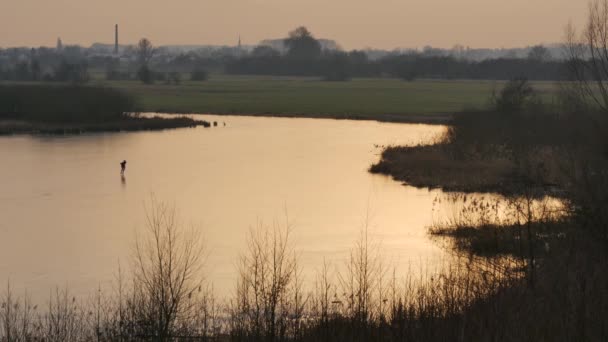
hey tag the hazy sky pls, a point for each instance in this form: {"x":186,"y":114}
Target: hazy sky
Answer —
{"x":353,"y":23}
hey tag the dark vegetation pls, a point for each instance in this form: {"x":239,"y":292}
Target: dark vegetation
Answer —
{"x":506,"y":148}
{"x":408,"y":67}
{"x":55,"y":103}
{"x":526,"y":151}
{"x":527,"y":267}
{"x":62,"y":71}
{"x":496,"y":288}
{"x":199,"y":75}
{"x":129,"y":124}
{"x":74,"y":109}
{"x":305,"y":57}
{"x":432,"y":166}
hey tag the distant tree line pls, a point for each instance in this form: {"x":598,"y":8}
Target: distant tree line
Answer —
{"x":304,"y":57}
{"x":301,"y":54}
{"x":343,"y":66}
{"x":73,"y":64}
{"x":54,"y":70}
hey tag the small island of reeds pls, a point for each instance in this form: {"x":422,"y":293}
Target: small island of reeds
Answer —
{"x":73,"y":109}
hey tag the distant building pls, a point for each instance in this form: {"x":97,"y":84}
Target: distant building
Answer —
{"x":59,"y":44}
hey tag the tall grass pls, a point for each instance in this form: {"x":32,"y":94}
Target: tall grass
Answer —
{"x":557,"y":253}
{"x":163,"y":296}
{"x":469,"y":299}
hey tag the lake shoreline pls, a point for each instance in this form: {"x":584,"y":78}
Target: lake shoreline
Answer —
{"x":434,"y":167}
{"x":430,"y":166}
{"x":76,"y":109}
{"x":133,"y":124}
{"x":427,"y":119}
{"x":180,"y":120}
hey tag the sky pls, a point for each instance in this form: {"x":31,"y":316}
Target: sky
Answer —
{"x":354,"y":24}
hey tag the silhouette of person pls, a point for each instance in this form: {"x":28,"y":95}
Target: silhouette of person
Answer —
{"x":123,"y":166}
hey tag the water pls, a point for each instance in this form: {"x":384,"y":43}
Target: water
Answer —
{"x":68,"y":219}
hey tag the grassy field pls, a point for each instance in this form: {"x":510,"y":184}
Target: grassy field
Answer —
{"x":376,"y":99}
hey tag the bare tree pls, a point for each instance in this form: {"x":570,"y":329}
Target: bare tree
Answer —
{"x":168,"y":262}
{"x":324,"y":301}
{"x":539,"y":53}
{"x":363,"y":275}
{"x":587,"y":155}
{"x":588,"y":55}
{"x":301,"y":44}
{"x":64,"y":319}
{"x":268,"y":274}
{"x":145,"y":51}
{"x":324,"y":297}
{"x":9,"y":315}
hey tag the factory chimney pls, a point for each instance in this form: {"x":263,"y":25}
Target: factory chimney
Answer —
{"x":116,"y":39}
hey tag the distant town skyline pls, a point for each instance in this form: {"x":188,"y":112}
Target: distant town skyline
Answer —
{"x":354,"y":24}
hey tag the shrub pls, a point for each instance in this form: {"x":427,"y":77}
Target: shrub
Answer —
{"x":199,"y":75}
{"x":71,"y":72}
{"x":115,"y":75}
{"x":337,"y":76}
{"x":173,"y":77}
{"x":145,"y":75}
{"x":62,"y":103}
{"x":515,"y":96}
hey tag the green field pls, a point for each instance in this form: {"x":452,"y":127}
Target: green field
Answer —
{"x":378,"y":99}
